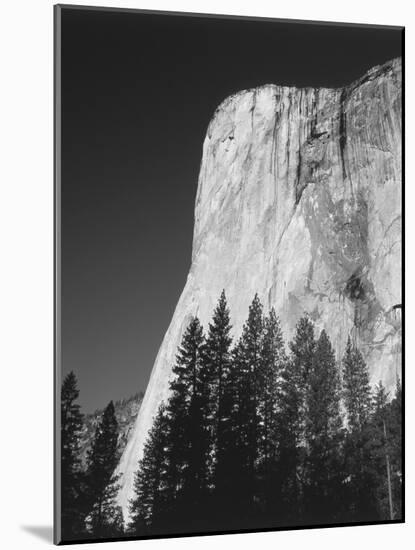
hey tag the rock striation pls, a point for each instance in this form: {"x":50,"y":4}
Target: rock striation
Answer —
{"x":299,"y":199}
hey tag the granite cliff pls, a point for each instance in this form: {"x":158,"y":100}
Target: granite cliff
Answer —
{"x":299,"y":199}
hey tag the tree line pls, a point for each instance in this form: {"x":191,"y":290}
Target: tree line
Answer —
{"x":251,"y":436}
{"x":255,"y":437}
{"x":88,"y":492}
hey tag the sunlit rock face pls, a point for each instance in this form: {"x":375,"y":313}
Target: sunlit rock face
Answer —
{"x":299,"y":199}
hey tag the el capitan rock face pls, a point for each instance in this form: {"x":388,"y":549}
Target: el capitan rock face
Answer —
{"x":299,"y":199}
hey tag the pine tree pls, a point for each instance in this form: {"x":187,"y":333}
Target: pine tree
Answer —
{"x":273,"y":361}
{"x":379,"y":448}
{"x":356,"y":388}
{"x":117,"y":524}
{"x":186,"y":472}
{"x":291,"y":421}
{"x":302,"y":356}
{"x":71,"y":474}
{"x":324,"y":435}
{"x":217,"y":361}
{"x":247,"y":365}
{"x":147,"y":505}
{"x":395,"y":448}
{"x":357,"y":402}
{"x":386,"y":451}
{"x":102,"y":483}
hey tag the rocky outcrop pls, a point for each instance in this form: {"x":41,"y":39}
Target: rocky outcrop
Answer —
{"x":126,"y":411}
{"x":299,"y":199}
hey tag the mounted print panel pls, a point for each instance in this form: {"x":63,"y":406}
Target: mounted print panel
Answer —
{"x":228,"y":338}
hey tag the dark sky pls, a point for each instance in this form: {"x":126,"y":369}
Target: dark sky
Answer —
{"x":138,"y":91}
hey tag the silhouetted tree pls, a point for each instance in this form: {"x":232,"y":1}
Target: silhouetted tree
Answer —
{"x":386,"y":451}
{"x":324,"y":436}
{"x":102,"y":483}
{"x":186,"y":471}
{"x":217,"y":362}
{"x":395,"y":448}
{"x":253,"y":437}
{"x":247,"y":365}
{"x":357,"y":402}
{"x":273,"y":361}
{"x":72,"y":513}
{"x":379,"y":448}
{"x":291,"y":421}
{"x":147,"y":504}
{"x":356,"y":388}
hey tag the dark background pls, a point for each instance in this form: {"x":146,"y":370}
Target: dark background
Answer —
{"x":138,"y":91}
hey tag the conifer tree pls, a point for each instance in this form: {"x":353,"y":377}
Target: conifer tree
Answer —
{"x":260,"y":437}
{"x":273,"y":361}
{"x":147,"y":505}
{"x":102,"y":460}
{"x":71,"y":474}
{"x":379,"y":445}
{"x":386,"y":451}
{"x":357,"y":402}
{"x":302,"y":348}
{"x":291,"y":420}
{"x":324,"y":435}
{"x":356,"y":388}
{"x":186,"y":473}
{"x":117,"y":523}
{"x":247,"y":365}
{"x":395,"y":448}
{"x":217,"y":361}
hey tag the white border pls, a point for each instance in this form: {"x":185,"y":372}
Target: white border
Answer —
{"x":26,"y":175}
